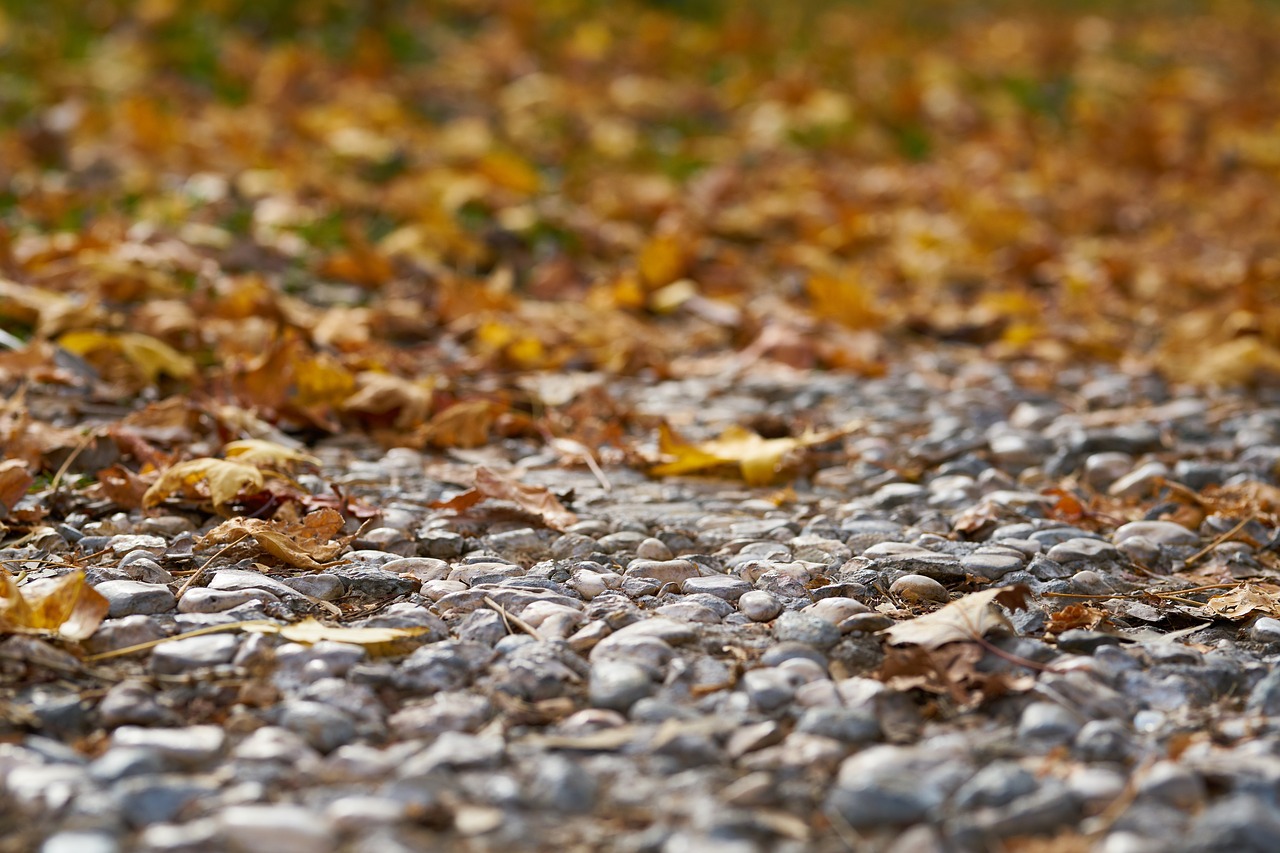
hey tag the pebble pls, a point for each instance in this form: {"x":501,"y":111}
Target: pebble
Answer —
{"x":807,"y":628}
{"x":759,"y":606}
{"x":689,"y":651}
{"x":129,"y":598}
{"x":276,"y":828}
{"x":191,"y":653}
{"x":914,"y":588}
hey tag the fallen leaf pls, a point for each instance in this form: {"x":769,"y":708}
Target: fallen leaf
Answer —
{"x":221,"y":478}
{"x":462,"y":425}
{"x":15,"y":479}
{"x":151,"y":356}
{"x":535,"y":500}
{"x":267,"y":454}
{"x":303,"y":544}
{"x":1075,"y":616}
{"x":1243,"y":600}
{"x":64,"y":606}
{"x":759,"y":460}
{"x":310,"y":631}
{"x":965,"y":619}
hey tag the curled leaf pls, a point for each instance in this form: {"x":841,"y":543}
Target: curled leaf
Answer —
{"x":965,"y":619}
{"x":15,"y":479}
{"x":267,"y":454}
{"x":536,"y":500}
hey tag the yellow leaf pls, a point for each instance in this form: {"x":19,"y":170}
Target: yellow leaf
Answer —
{"x":844,"y":300}
{"x":759,"y":460}
{"x":267,"y":454}
{"x":223,"y":479}
{"x":63,"y":606}
{"x":662,"y":260}
{"x":309,"y":630}
{"x":152,"y":357}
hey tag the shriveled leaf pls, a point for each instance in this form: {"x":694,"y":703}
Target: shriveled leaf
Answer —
{"x":389,"y":400}
{"x":758,"y":459}
{"x":267,"y":454}
{"x":122,"y":486}
{"x":310,"y":631}
{"x":951,"y":671}
{"x":535,"y":500}
{"x":965,"y":619}
{"x":1075,"y":616}
{"x":64,"y":606}
{"x":222,"y":480}
{"x":302,"y":545}
{"x":15,"y":479}
{"x":1244,"y":600}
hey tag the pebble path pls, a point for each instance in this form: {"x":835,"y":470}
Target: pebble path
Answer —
{"x":697,"y":666}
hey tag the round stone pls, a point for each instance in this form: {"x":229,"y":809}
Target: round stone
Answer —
{"x":913,"y":588}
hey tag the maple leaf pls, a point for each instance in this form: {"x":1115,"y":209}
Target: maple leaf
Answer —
{"x":535,"y":500}
{"x":966,"y":619}
{"x":64,"y":606}
{"x":759,"y":460}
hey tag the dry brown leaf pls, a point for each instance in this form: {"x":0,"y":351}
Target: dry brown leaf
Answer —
{"x":1244,"y":600}
{"x":383,"y":397}
{"x":15,"y":479}
{"x":535,"y":500}
{"x":950,"y":671}
{"x":122,"y":486}
{"x":462,"y":425}
{"x":64,"y":606}
{"x":1075,"y":616}
{"x":965,"y":619}
{"x":304,"y":544}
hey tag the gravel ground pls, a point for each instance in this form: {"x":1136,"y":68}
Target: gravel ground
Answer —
{"x":700,"y":666}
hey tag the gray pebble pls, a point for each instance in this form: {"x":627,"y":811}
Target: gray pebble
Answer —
{"x":799,"y":627}
{"x":1047,"y":724}
{"x":759,"y":606}
{"x":128,"y":598}
{"x":617,"y":685}
{"x":181,"y":656}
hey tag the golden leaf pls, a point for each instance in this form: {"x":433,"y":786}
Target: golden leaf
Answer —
{"x":1245,"y":599}
{"x":267,"y":454}
{"x":64,"y":606}
{"x":759,"y":459}
{"x":151,"y":356}
{"x":222,"y":478}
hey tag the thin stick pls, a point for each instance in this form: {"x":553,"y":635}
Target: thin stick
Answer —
{"x":515,"y":620}
{"x":200,"y":571}
{"x":1218,"y":541}
{"x":62,"y":469}
{"x":150,"y":644}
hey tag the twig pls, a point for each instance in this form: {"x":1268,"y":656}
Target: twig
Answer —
{"x":1218,"y":541}
{"x":56,"y":483}
{"x":200,"y":571}
{"x":511,"y":617}
{"x":149,"y":644}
